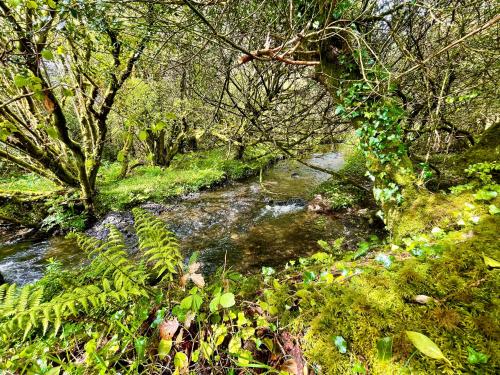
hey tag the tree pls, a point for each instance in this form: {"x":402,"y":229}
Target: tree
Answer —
{"x":63,"y":65}
{"x":356,"y":52}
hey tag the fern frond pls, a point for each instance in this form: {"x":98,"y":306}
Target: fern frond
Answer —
{"x":158,"y":244}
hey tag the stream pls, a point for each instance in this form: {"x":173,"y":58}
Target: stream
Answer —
{"x":245,"y":225}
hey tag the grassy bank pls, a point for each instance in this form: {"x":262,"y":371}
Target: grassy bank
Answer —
{"x":188,"y":173}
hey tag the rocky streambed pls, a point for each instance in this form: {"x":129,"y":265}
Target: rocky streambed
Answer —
{"x":245,"y":225}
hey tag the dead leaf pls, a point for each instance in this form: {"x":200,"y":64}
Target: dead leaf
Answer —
{"x":183,"y":280}
{"x":290,"y":366}
{"x":48,"y":103}
{"x":194,"y":267}
{"x":423,"y":299}
{"x":189,"y":319}
{"x":168,"y":329}
{"x":198,"y":280}
{"x":179,"y":338}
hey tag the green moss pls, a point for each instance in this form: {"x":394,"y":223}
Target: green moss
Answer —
{"x":377,"y":302}
{"x":188,"y":173}
{"x":28,"y":183}
{"x":341,"y":194}
{"x":21,"y":208}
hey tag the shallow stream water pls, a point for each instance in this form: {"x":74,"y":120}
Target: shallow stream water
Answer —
{"x":262,"y":221}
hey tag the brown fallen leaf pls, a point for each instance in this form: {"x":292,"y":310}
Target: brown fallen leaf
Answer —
{"x":168,"y":328}
{"x":290,"y":366}
{"x":194,"y":267}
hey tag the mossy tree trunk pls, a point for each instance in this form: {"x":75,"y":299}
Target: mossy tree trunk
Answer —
{"x":389,"y":164}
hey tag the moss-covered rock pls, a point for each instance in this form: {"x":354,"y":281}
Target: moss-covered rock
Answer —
{"x":23,"y":208}
{"x":440,"y":259}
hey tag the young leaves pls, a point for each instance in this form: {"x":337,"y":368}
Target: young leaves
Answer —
{"x":426,"y":346}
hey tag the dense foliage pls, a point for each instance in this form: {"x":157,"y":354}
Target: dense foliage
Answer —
{"x":108,"y":105}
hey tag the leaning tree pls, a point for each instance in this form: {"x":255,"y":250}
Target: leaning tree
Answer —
{"x":368,"y":54}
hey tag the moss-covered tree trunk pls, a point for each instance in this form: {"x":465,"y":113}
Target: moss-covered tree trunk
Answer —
{"x":376,"y":119}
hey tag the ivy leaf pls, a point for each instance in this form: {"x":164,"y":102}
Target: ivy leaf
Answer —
{"x":384,"y":348}
{"x":340,"y":109}
{"x":476,"y":357}
{"x":426,"y":346}
{"x":490,"y":262}
{"x":227,"y":300}
{"x":341,"y":344}
{"x":47,"y":54}
{"x":164,"y":348}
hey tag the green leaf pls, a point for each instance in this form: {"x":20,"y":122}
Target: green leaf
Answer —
{"x":180,"y":360}
{"x":51,"y":3}
{"x":31,"y":4}
{"x":187,"y":302}
{"x":120,"y":156}
{"x":14,"y":3}
{"x":47,"y":54}
{"x":20,"y":80}
{"x":140,"y":346}
{"x":476,"y":357}
{"x":143,"y":135}
{"x":425,"y":345}
{"x":485,"y":195}
{"x":490,"y":262}
{"x":234,"y":345}
{"x":164,"y":348}
{"x":340,"y":343}
{"x":197,"y":302}
{"x":54,"y":371}
{"x":384,"y":348}
{"x":494,"y":210}
{"x":227,"y":300}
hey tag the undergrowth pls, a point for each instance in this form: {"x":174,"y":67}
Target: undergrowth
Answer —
{"x":340,"y":194}
{"x":424,"y":302}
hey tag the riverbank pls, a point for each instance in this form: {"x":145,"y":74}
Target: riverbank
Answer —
{"x":422,"y":303}
{"x":30,"y":200}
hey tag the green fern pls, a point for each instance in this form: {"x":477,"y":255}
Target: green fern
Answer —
{"x":160,"y":246}
{"x":112,"y":278}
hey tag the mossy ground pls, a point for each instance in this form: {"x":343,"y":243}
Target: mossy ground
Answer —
{"x":188,"y":173}
{"x":373,"y":297}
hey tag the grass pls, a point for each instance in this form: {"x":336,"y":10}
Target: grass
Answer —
{"x":26,"y":183}
{"x":188,"y":173}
